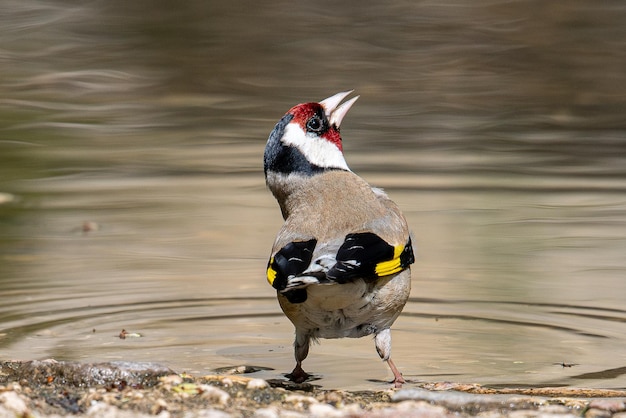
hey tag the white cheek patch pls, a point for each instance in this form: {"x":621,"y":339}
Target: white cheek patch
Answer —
{"x":317,"y":150}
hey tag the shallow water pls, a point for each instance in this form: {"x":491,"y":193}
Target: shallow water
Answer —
{"x":133,"y":195}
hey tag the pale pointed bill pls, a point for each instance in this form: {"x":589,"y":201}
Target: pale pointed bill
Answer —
{"x":336,"y":114}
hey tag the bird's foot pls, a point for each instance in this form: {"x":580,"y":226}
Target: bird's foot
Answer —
{"x":298,"y":375}
{"x":398,"y":380}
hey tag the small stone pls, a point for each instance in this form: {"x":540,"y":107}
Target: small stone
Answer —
{"x":207,"y":413}
{"x":14,"y":403}
{"x":214,"y":394}
{"x":333,"y":398}
{"x":597,"y":413}
{"x":270,"y":412}
{"x":324,"y":410}
{"x":555,"y":409}
{"x":292,"y":414}
{"x":300,"y":401}
{"x":159,"y":406}
{"x":275,"y":412}
{"x":90,"y":226}
{"x":14,"y":386}
{"x":102,"y":410}
{"x":575,"y":404}
{"x":352,"y":409}
{"x":612,"y":405}
{"x":136,"y":395}
{"x":531,"y":413}
{"x":6,"y":198}
{"x":257,"y":384}
{"x":489,"y":414}
{"x":172,"y":380}
{"x":421,"y":408}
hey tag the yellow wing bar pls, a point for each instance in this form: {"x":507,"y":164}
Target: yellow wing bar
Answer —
{"x":402,"y":258}
{"x":271,"y":273}
{"x":393,"y":266}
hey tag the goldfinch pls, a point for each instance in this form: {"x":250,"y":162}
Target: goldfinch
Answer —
{"x":340,"y":264}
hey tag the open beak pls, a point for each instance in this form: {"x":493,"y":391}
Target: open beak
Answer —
{"x":334,"y":111}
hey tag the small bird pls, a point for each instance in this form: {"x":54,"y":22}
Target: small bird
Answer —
{"x":340,"y":262}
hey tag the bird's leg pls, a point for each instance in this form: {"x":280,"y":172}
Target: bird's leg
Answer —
{"x":398,"y":380}
{"x":383,"y":347}
{"x":301,"y":350}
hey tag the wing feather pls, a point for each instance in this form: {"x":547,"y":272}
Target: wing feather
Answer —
{"x":361,"y":255}
{"x":366,"y":255}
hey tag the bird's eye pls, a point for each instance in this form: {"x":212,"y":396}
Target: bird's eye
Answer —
{"x":314,"y":124}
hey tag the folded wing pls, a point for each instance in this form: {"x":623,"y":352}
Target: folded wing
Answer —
{"x":361,"y":255}
{"x":366,"y":255}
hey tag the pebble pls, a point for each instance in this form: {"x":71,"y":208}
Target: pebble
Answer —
{"x":530,"y":413}
{"x":256,"y":384}
{"x":597,"y":413}
{"x":612,"y":405}
{"x":14,"y":403}
{"x":159,"y":406}
{"x":323,"y":410}
{"x":171,"y":379}
{"x":102,"y":410}
{"x":214,"y":394}
{"x":14,"y":386}
{"x":300,"y":401}
{"x":207,"y":413}
{"x":275,"y":412}
{"x":6,"y":198}
{"x":269,"y":412}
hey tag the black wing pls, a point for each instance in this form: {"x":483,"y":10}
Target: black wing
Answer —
{"x":368,"y":256}
{"x":288,"y":262}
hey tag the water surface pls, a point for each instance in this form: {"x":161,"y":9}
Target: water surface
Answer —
{"x":132,"y":193}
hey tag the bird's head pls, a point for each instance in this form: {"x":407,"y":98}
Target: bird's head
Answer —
{"x":306,"y":141}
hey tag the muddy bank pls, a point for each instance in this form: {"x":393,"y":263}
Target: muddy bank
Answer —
{"x":50,"y":388}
